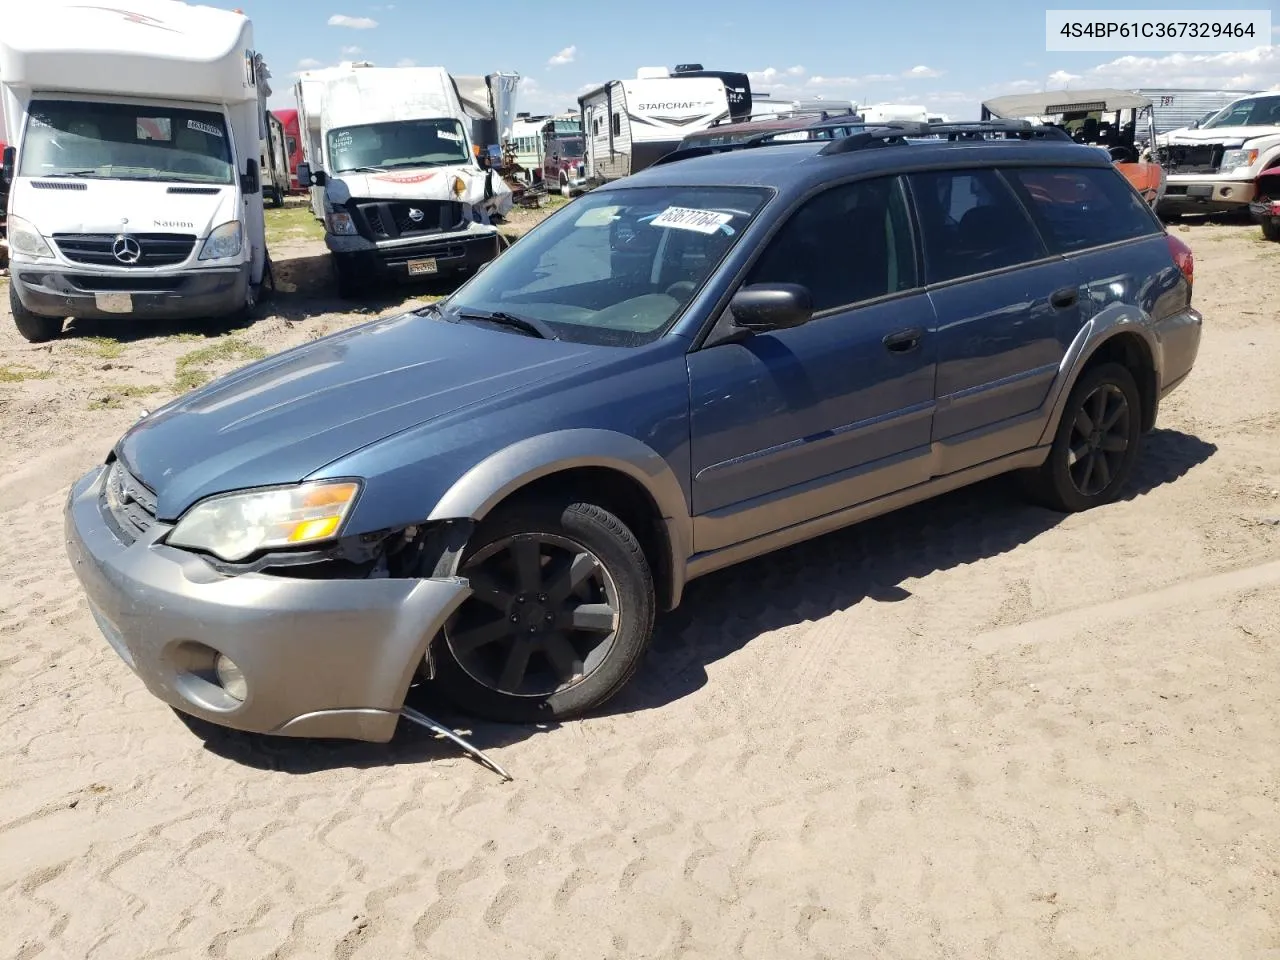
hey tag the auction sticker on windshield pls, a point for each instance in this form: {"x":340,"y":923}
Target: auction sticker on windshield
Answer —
{"x":685,"y":218}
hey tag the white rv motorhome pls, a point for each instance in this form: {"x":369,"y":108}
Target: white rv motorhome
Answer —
{"x":133,"y":159}
{"x":403,"y":192}
{"x":895,"y":113}
{"x":628,"y":124}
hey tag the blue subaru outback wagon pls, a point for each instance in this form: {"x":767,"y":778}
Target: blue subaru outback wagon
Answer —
{"x":710,"y":360}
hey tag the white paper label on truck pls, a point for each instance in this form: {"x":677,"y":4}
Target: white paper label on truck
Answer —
{"x":686,"y":218}
{"x":204,"y":128}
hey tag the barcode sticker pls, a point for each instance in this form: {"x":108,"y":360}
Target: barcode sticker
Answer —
{"x":686,"y":218}
{"x":204,"y":128}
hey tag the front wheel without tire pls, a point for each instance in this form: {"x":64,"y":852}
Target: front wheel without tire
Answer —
{"x":1096,"y":444}
{"x":33,"y":327}
{"x":560,"y":615}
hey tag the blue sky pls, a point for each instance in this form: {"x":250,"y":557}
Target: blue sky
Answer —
{"x":946,"y":56}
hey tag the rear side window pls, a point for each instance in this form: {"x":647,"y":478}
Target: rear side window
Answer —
{"x":846,"y":245}
{"x":1082,"y":207}
{"x":972,"y":223}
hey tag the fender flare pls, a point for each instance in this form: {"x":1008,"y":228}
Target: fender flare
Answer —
{"x":501,"y":474}
{"x":1097,"y":331}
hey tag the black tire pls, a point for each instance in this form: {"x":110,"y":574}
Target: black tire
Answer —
{"x":1270,"y":229}
{"x":1071,"y":480}
{"x":351,"y":285}
{"x":33,"y":327}
{"x":619,"y":581}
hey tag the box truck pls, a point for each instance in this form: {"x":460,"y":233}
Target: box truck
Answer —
{"x":396,"y":175}
{"x":133,"y":162}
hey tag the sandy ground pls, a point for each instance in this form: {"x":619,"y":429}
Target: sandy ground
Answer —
{"x":973,"y":729}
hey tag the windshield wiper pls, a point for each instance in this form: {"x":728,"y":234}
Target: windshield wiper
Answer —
{"x":527,"y":324}
{"x":365,"y":170}
{"x":70,"y":173}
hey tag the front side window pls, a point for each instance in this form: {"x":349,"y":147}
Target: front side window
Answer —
{"x":1082,"y":207}
{"x":615,"y":267}
{"x":396,"y":144}
{"x":971,"y":223}
{"x":116,"y":141}
{"x":849,"y":244}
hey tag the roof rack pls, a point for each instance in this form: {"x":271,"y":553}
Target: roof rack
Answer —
{"x":881,"y":134}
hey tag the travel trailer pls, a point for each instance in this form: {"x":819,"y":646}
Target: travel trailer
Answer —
{"x":402,"y":192}
{"x":737,"y":87}
{"x":766,"y":107}
{"x":308,"y":93}
{"x":628,"y":124}
{"x":275,"y":162}
{"x":292,"y":142}
{"x":133,"y":162}
{"x":895,"y":113}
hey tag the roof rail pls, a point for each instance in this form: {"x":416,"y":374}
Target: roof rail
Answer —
{"x":964,"y":130}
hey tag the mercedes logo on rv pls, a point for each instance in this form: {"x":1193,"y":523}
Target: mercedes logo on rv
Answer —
{"x":126,"y":250}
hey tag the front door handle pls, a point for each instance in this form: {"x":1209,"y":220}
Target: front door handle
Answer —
{"x":904,"y":341}
{"x":1065,"y":298}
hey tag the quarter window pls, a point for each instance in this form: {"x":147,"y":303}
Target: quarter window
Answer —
{"x":849,"y":244}
{"x":1082,"y":207}
{"x":617,"y":124}
{"x":972,"y":223}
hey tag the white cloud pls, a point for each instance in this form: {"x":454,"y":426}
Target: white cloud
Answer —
{"x":407,"y":62}
{"x":309,"y":64}
{"x":1255,"y":69}
{"x":352,"y":23}
{"x":834,"y":81}
{"x":564,"y":56}
{"x":1060,"y":78}
{"x":351,"y":51}
{"x":921,"y":72}
{"x":587,"y":88}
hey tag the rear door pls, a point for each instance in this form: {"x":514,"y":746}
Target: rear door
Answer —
{"x":1007,"y":310}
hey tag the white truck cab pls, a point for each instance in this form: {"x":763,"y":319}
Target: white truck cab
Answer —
{"x":133,"y":162}
{"x":403,"y":194}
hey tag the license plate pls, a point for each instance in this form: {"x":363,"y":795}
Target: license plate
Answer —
{"x":114,"y":302}
{"x":1200,"y":190}
{"x":418,"y":267}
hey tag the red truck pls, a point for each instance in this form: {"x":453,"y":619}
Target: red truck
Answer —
{"x":563,"y":163}
{"x":293,"y":144}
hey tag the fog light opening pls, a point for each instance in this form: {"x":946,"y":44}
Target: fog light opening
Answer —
{"x":1226,"y":191}
{"x":231,"y":677}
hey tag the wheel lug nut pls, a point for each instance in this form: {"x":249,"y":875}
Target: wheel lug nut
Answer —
{"x":542,"y":598}
{"x":514,"y":618}
{"x":533,"y":629}
{"x":520,"y":599}
{"x":549,"y":618}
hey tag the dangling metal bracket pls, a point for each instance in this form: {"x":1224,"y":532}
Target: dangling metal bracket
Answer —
{"x":422,"y":720}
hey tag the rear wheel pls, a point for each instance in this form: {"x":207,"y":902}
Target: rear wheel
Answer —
{"x":559,"y":618}
{"x":1096,"y":444}
{"x":33,"y":327}
{"x":1271,"y":228}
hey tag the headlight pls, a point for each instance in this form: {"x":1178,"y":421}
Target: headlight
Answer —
{"x":1234,"y":159}
{"x":223,"y":242}
{"x":459,"y":186}
{"x":26,"y":240}
{"x":341,"y":225}
{"x":237,"y":525}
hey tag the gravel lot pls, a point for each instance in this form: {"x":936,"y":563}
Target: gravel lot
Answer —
{"x":972,"y":729}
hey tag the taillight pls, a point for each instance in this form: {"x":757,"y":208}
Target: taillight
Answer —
{"x":1183,"y":257}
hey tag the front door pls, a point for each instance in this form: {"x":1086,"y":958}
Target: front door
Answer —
{"x":794,"y":424}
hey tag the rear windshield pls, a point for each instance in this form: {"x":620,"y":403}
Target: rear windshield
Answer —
{"x":69,"y":138}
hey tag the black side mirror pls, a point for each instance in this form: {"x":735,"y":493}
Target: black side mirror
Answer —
{"x":771,"y":306}
{"x":251,"y":181}
{"x":10,"y":160}
{"x":309,"y":178}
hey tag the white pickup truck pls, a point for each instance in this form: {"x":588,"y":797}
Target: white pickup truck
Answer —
{"x":1215,"y":167}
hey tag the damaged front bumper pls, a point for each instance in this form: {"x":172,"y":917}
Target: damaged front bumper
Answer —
{"x":320,"y":658}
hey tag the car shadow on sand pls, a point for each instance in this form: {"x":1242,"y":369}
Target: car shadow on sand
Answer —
{"x":723,"y":612}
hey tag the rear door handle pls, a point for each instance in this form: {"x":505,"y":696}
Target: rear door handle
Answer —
{"x":904,"y":341}
{"x":1065,"y":298}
